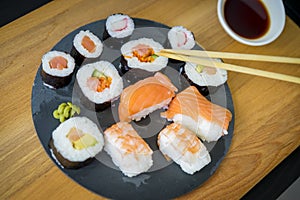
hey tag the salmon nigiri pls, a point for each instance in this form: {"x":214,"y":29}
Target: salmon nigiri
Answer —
{"x":183,"y":147}
{"x":145,"y":96}
{"x":189,"y":108}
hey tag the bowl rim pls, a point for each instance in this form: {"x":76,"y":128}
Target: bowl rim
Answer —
{"x":252,"y":42}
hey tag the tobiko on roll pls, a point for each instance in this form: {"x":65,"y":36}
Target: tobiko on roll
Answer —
{"x":57,"y":69}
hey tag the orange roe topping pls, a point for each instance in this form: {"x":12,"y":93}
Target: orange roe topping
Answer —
{"x":104,"y":82}
{"x":144,"y":53}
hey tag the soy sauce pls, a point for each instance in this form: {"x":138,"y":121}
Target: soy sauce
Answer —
{"x":247,"y":18}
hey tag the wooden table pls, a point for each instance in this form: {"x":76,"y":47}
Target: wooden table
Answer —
{"x":267,"y":125}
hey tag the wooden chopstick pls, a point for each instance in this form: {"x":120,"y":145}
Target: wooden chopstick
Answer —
{"x":231,"y":67}
{"x":238,"y":56}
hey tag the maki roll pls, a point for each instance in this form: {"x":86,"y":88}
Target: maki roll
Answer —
{"x":127,"y":149}
{"x":145,"y":96}
{"x":181,"y":38}
{"x":86,"y":45}
{"x":201,"y":76}
{"x":100,"y":83}
{"x":205,"y":79}
{"x":57,"y":69}
{"x":140,"y":54}
{"x":183,"y":147}
{"x":118,"y":26}
{"x":75,"y":142}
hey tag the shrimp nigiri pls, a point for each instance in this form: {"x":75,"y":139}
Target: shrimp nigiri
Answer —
{"x":127,"y":149}
{"x":183,"y":147}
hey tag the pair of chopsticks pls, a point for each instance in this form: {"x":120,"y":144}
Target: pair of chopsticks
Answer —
{"x":200,"y":57}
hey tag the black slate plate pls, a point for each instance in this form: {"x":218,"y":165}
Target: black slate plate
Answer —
{"x":164,"y":180}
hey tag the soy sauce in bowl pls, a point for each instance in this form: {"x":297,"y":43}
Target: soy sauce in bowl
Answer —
{"x":247,"y":18}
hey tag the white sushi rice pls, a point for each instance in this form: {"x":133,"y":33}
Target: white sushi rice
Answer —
{"x":83,"y":51}
{"x":142,"y":114}
{"x":133,"y":62}
{"x":107,"y":94}
{"x":203,"y":78}
{"x":171,"y":145}
{"x":122,"y":33}
{"x":64,"y":146}
{"x":173,"y":36}
{"x":206,"y":130}
{"x":57,"y":72}
{"x":130,"y":163}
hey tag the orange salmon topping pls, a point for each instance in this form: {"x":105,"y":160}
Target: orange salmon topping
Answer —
{"x":88,"y":44}
{"x":58,"y":62}
{"x":191,"y":103}
{"x":144,"y":53}
{"x":144,"y":94}
{"x":147,"y":96}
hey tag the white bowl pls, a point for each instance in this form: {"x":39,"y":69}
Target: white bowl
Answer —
{"x":276,"y":13}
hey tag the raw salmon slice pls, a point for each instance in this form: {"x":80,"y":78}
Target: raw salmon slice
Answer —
{"x":58,"y":62}
{"x":88,"y":44}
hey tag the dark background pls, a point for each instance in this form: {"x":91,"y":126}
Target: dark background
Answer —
{"x":13,"y":9}
{"x":274,"y":184}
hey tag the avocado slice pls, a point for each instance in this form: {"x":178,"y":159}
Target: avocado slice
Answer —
{"x":98,"y":74}
{"x":84,"y":142}
{"x":199,"y":68}
{"x":154,"y":56}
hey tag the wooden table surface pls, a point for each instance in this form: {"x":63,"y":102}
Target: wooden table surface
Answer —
{"x":267,"y":112}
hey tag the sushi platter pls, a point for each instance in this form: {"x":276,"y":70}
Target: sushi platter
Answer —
{"x":94,"y":96}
